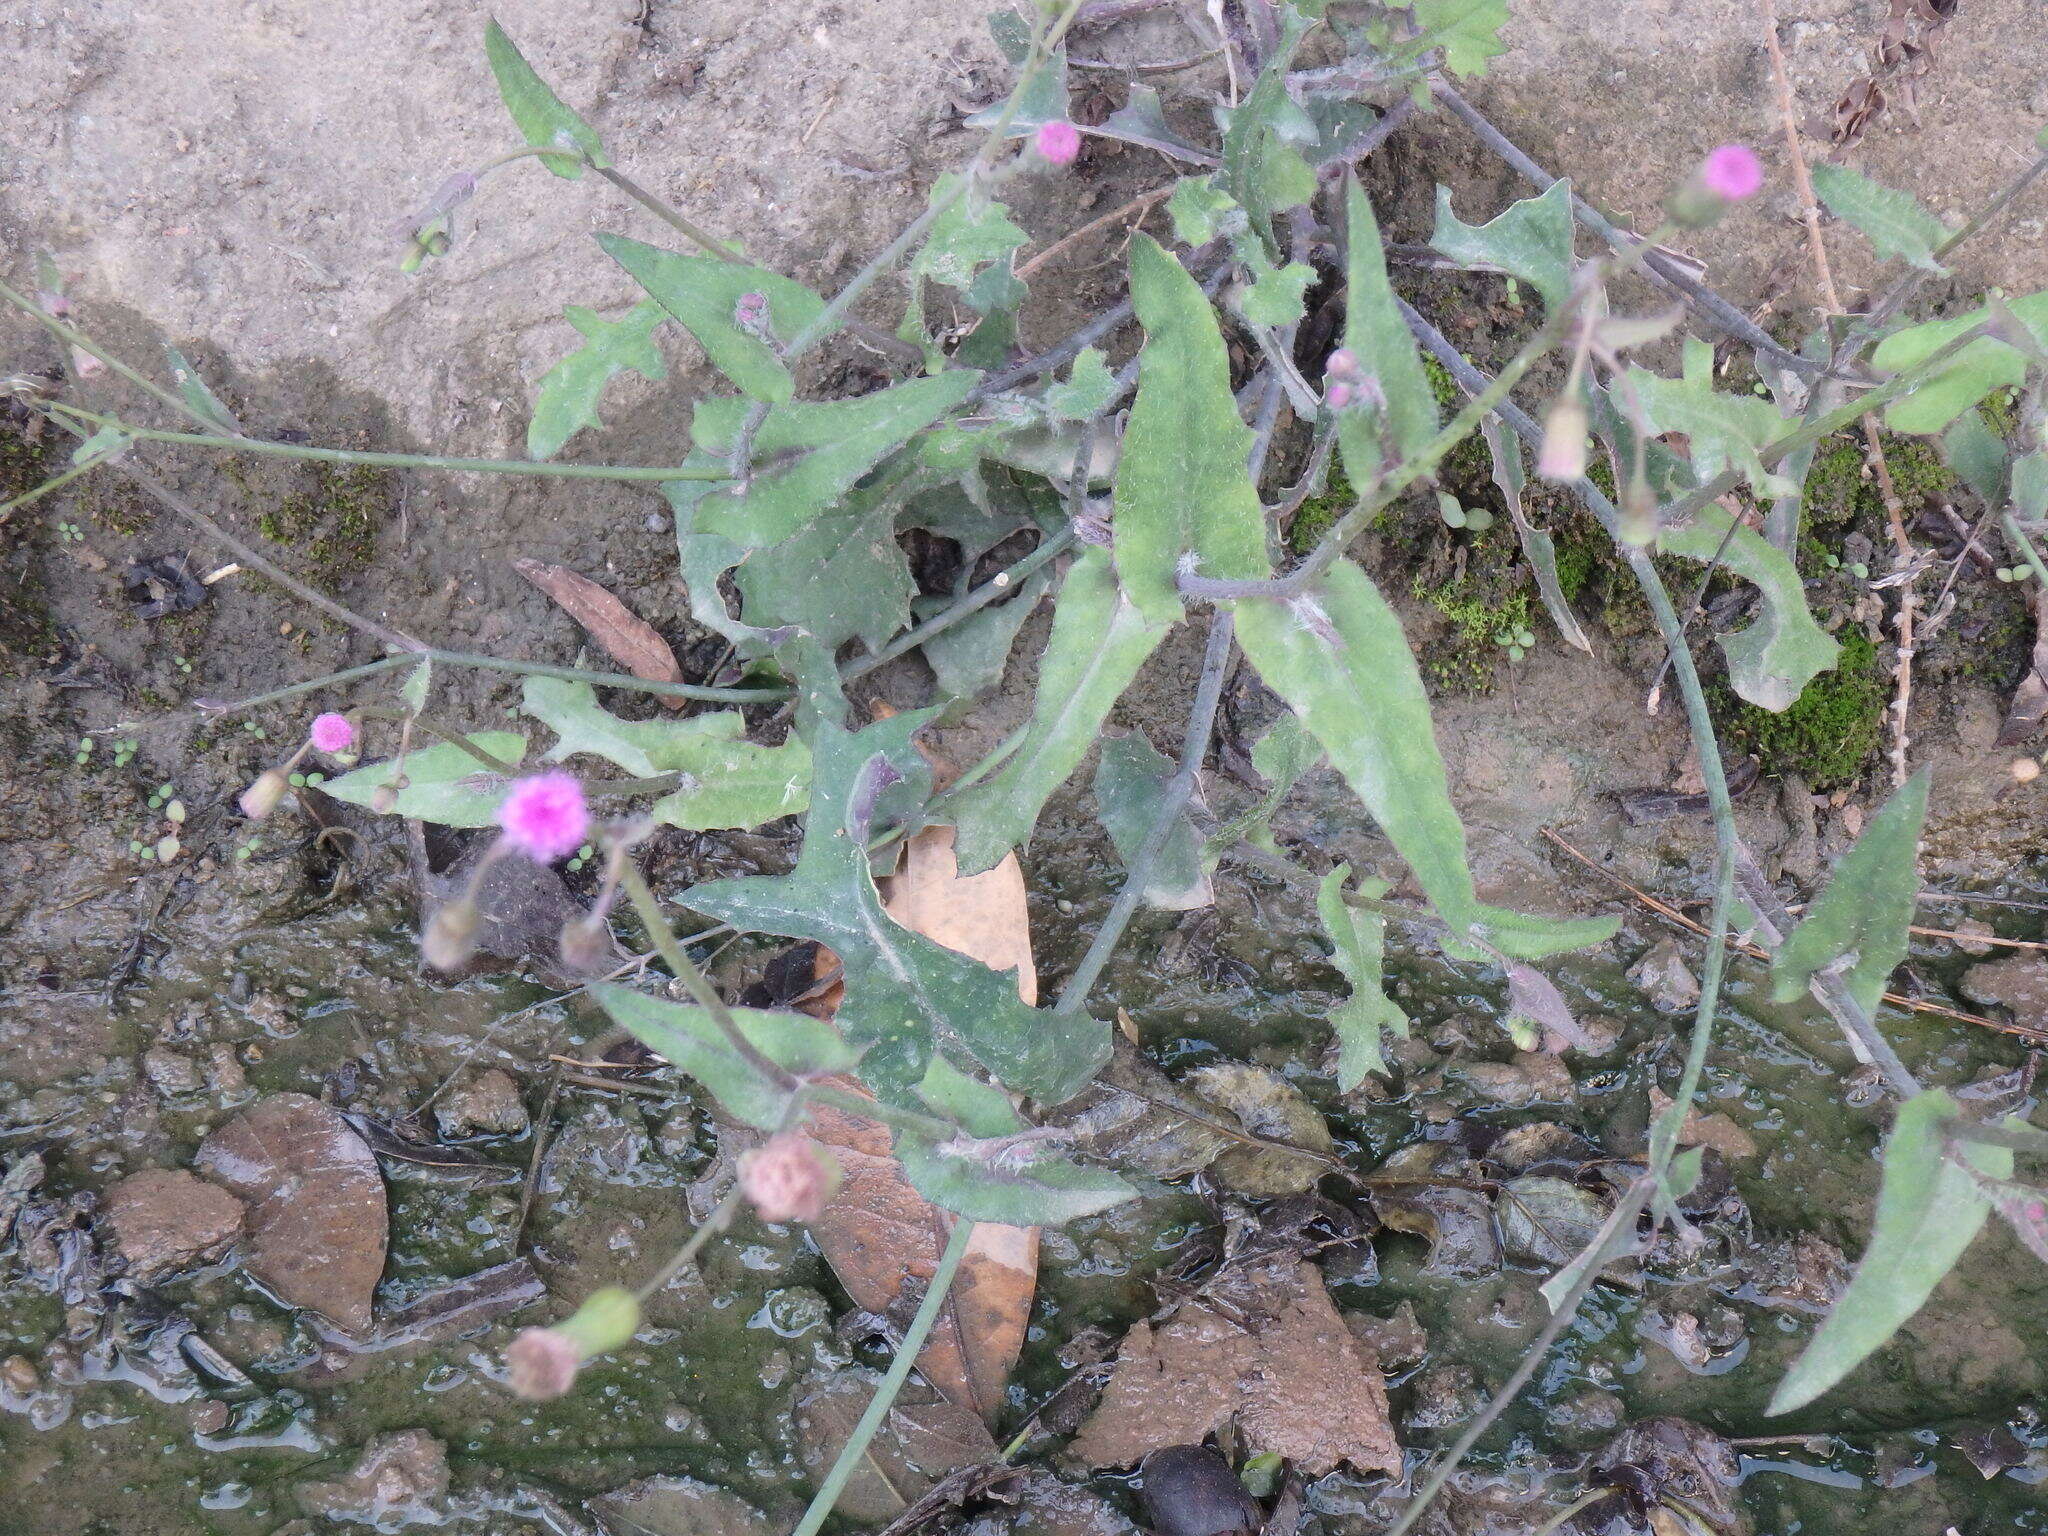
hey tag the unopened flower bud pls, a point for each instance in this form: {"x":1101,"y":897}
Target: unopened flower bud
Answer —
{"x":1338,"y":395}
{"x":450,"y":938}
{"x":789,"y":1178}
{"x":1342,"y":364}
{"x":1562,"y":455}
{"x":544,"y":1361}
{"x":585,"y":945}
{"x":1638,"y":511}
{"x":2025,"y":770}
{"x":260,"y":798}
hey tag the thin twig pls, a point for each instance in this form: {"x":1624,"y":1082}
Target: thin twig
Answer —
{"x":1143,"y":203}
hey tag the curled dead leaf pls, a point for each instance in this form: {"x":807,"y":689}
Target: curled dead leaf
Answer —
{"x":626,"y":637}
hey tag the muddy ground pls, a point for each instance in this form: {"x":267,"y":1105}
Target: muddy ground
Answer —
{"x":224,"y":178}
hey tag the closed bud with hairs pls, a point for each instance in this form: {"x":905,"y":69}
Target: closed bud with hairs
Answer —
{"x":450,"y":938}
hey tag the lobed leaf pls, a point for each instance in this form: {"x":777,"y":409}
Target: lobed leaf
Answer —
{"x":1771,"y":662}
{"x":539,"y":112}
{"x":444,"y":784}
{"x":689,"y":1039}
{"x":569,"y":391}
{"x":1380,"y":339}
{"x":1724,"y":430}
{"x":1099,"y":640}
{"x":1530,"y":240}
{"x":1893,"y":220}
{"x":1968,"y":378}
{"x":1929,"y":1208}
{"x":971,"y":657}
{"x":1089,"y":387}
{"x":842,"y":577}
{"x":1358,"y":943}
{"x":1863,"y":915}
{"x":1468,"y":31}
{"x":704,"y":293}
{"x":1041,"y":1189}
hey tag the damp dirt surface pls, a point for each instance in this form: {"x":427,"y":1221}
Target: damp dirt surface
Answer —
{"x":224,"y":178}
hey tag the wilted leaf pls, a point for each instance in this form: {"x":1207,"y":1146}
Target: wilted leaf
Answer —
{"x":1531,"y":239}
{"x":540,"y":114}
{"x":1548,"y":1219}
{"x":1182,"y":484}
{"x":1457,"y":1223}
{"x":1263,"y":1346}
{"x":1338,"y":656}
{"x":689,"y":1039}
{"x":1131,"y":776}
{"x":1771,"y":662}
{"x":1533,"y":996}
{"x":883,"y":1239}
{"x":922,"y":1438}
{"x":569,"y":391}
{"x":1928,"y":1210}
{"x":1968,"y":377}
{"x":444,"y":784}
{"x":1893,"y":220}
{"x":1357,"y":940}
{"x":809,"y":453}
{"x":625,"y":637}
{"x":1099,"y":640}
{"x":1538,"y":547}
{"x":316,"y":1213}
{"x":1268,"y":1106}
{"x":1863,"y":914}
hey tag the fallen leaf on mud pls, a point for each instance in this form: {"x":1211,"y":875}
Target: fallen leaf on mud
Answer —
{"x":2029,"y":706}
{"x":922,"y":1438}
{"x":985,"y":916}
{"x":674,"y":1506}
{"x":882,"y":1239}
{"x":1457,"y":1222}
{"x":1138,"y":1118}
{"x":316,"y":1221}
{"x":1533,"y":996}
{"x":626,"y":637}
{"x":1676,"y":1456}
{"x":1550,"y":1220}
{"x":1717,"y":1131}
{"x":1267,"y":1105}
{"x":1264,"y":1346}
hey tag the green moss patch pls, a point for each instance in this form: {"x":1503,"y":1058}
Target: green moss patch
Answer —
{"x":1832,"y":732}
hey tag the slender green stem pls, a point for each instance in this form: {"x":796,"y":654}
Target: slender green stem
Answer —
{"x":624,"y":680}
{"x":1002,"y":584}
{"x":293,"y":690}
{"x":685,"y":970}
{"x":892,"y":1383}
{"x":77,"y":338}
{"x":667,"y":214}
{"x":628,"y":472}
{"x":887,"y":1114}
{"x":54,"y":483}
{"x":2028,"y":552}
{"x":715,"y":1223}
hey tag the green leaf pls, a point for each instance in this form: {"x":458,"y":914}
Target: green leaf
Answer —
{"x":192,"y":389}
{"x":1468,"y":31}
{"x":1725,"y":430}
{"x":704,"y":294}
{"x":1099,"y":640}
{"x":1011,"y":1182}
{"x":1771,"y":662}
{"x":973,"y":231}
{"x":809,"y":453}
{"x":1201,"y":210}
{"x":569,"y":391}
{"x":1042,"y":98}
{"x":971,"y":657}
{"x":1928,"y":1210}
{"x":1538,"y":547}
{"x":1973,"y":374}
{"x":1380,"y":339}
{"x":1281,"y":756}
{"x":1130,"y":787}
{"x":1893,"y":220}
{"x":106,"y":443}
{"x":1979,"y":455}
{"x":1531,"y":240}
{"x":1142,"y":121}
{"x":1338,"y":657}
{"x":444,"y":784}
{"x":1263,"y":167}
{"x":906,"y":996}
{"x":842,"y":577}
{"x":1089,"y":388}
{"x":418,"y":683}
{"x":1358,"y":943}
{"x":538,"y":111}
{"x":1182,"y":483}
{"x":1277,"y":295}
{"x":978,"y":1108}
{"x":1863,"y":914}
{"x":2030,"y":485}
{"x":689,"y":1039}
{"x":729,"y":781}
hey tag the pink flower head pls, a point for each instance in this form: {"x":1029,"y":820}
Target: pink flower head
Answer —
{"x":1338,"y":395}
{"x":789,"y":1178}
{"x":1733,"y":173}
{"x":544,"y":817}
{"x":1059,"y":141}
{"x":543,"y":1364}
{"x":333,"y":733}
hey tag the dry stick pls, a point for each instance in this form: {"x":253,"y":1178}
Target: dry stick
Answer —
{"x":1139,"y":204}
{"x":1710,"y":306}
{"x":1673,"y":915}
{"x":1194,"y":747}
{"x":1873,"y":442}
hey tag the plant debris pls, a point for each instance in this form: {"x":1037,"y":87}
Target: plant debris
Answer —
{"x":626,"y":637}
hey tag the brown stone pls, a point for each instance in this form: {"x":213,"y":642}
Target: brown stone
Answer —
{"x":165,"y":1219}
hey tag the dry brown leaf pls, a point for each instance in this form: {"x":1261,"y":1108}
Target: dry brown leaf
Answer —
{"x":317,"y":1222}
{"x":1717,"y":1131}
{"x":985,"y":917}
{"x":626,"y":637}
{"x":879,"y":1235}
{"x":1265,"y":1346}
{"x":921,"y":1440}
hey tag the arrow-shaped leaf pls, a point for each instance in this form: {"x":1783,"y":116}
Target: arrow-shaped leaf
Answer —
{"x":538,"y":111}
{"x":744,"y":340}
{"x":1357,"y":944}
{"x":569,"y":391}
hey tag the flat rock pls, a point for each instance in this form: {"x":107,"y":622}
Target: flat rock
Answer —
{"x":317,"y":1221}
{"x":1665,"y":978}
{"x":165,"y":1219}
{"x":400,"y":1479}
{"x":2019,"y":984}
{"x":488,"y":1104}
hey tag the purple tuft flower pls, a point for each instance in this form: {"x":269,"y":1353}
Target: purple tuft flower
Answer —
{"x":544,"y":817}
{"x":1059,"y":141}
{"x":332,"y":733}
{"x":1338,"y":395}
{"x":1733,"y":173}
